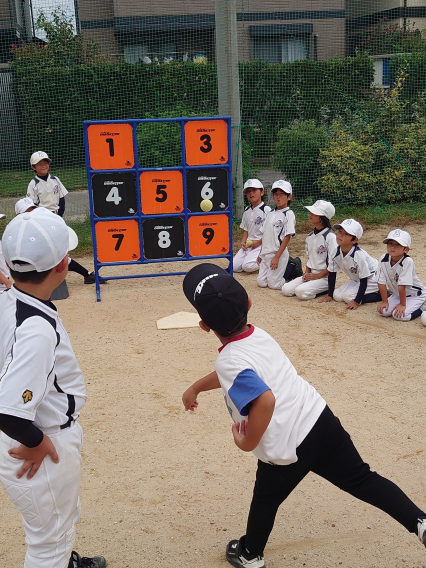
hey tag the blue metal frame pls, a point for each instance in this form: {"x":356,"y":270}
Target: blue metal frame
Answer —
{"x":185,"y":214}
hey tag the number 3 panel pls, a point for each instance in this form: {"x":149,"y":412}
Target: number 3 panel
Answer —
{"x":206,"y":142}
{"x":117,"y":241}
{"x":208,"y":235}
{"x":163,"y":237}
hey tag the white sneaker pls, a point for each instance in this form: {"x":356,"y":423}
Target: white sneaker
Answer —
{"x":235,"y":557}
{"x":421,"y":530}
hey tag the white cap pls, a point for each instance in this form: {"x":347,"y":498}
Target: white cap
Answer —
{"x":322,"y":208}
{"x":39,"y":238}
{"x":2,"y":216}
{"x":283,"y":185}
{"x":401,"y":237}
{"x":351,"y":226}
{"x":38,"y":157}
{"x":257,"y":184}
{"x":23,"y":204}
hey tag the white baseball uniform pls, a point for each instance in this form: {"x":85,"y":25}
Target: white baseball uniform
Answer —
{"x":252,"y":222}
{"x":278,"y":224}
{"x":320,"y":246}
{"x":356,"y":264}
{"x":4,"y":269}
{"x":46,"y":193}
{"x":42,"y":384}
{"x":402,"y":273}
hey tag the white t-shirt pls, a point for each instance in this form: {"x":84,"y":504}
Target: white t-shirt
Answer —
{"x":356,"y":264}
{"x":403,"y":273}
{"x":40,"y":379}
{"x":253,"y":363}
{"x":46,"y":193}
{"x":253,"y":220}
{"x":320,"y":248}
{"x":4,"y":269}
{"x":278,"y":224}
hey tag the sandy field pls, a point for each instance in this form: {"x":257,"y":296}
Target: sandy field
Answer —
{"x":162,"y":487}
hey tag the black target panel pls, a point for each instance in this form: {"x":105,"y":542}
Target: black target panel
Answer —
{"x":207,"y":183}
{"x":114,"y":195}
{"x":163,"y":237}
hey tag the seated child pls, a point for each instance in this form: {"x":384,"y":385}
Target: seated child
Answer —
{"x":5,"y":282}
{"x":279,"y":417}
{"x":253,"y":218}
{"x":357,"y":264}
{"x":320,"y":246}
{"x":397,"y":273}
{"x":277,"y":230}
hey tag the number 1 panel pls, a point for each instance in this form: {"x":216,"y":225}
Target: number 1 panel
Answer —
{"x":161,"y":192}
{"x":206,"y":142}
{"x":110,"y":146}
{"x":208,"y":235}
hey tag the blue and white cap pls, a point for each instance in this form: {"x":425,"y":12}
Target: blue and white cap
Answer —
{"x":350,"y":226}
{"x":401,"y":237}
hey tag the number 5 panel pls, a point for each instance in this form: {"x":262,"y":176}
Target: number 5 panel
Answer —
{"x":161,"y":192}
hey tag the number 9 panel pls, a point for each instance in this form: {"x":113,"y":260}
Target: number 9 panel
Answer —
{"x":208,"y":235}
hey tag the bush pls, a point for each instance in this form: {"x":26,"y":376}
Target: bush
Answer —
{"x":296,"y":154}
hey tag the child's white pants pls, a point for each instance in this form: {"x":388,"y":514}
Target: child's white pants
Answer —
{"x":269,"y":278}
{"x":412,"y":304}
{"x":347,"y":293}
{"x":246,"y":260}
{"x":48,"y":502}
{"x":305,"y":290}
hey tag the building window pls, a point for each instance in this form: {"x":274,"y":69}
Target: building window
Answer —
{"x":281,"y":43}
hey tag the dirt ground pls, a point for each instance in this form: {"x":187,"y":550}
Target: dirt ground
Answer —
{"x":164,"y":487}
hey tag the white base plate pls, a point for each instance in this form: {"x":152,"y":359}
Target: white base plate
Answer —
{"x":179,"y":320}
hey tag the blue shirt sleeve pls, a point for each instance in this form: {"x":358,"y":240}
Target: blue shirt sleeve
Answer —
{"x":247,"y":386}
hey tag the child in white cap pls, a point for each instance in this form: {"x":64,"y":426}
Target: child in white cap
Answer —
{"x":42,"y":392}
{"x":279,"y":227}
{"x":5,"y":282}
{"x":398,"y":274}
{"x":252,"y":222}
{"x":44,"y":189}
{"x":357,"y":264}
{"x":320,"y":246}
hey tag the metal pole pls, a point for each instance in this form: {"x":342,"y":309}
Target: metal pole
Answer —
{"x":229,"y":87}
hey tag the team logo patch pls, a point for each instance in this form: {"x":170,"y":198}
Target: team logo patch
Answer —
{"x":258,"y":220}
{"x":396,"y":277}
{"x":27,"y":396}
{"x":278,"y":223}
{"x":321,"y":249}
{"x":354,"y":269}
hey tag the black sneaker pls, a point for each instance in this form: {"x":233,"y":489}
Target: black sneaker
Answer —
{"x":91,"y":279}
{"x":78,"y":561}
{"x":421,"y":530}
{"x":235,"y":557}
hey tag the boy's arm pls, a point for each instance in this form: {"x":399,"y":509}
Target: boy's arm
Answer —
{"x":61,"y":209}
{"x":384,"y":304}
{"x":283,"y":246}
{"x":209,"y":382}
{"x":247,"y":435}
{"x":244,"y":240}
{"x":399,"y":311}
{"x":331,"y":285}
{"x":5,"y":280}
{"x":356,"y":302}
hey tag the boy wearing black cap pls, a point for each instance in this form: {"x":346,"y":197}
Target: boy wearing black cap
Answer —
{"x":278,"y":416}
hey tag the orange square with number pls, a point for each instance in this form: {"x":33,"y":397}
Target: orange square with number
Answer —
{"x":208,"y":234}
{"x":161,"y":192}
{"x":117,"y":241}
{"x":110,"y":146}
{"x":206,"y":142}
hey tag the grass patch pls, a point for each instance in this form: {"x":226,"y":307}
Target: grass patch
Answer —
{"x":84,"y":233}
{"x":14,"y":183}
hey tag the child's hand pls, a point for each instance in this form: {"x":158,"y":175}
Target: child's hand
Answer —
{"x":325,"y":299}
{"x":383,"y":306}
{"x":352,"y":305}
{"x":244,"y":246}
{"x":256,"y":244}
{"x":274,"y":262}
{"x":399,"y":311}
{"x":34,"y":456}
{"x":189,"y":398}
{"x":239,"y":431}
{"x":259,"y":260}
{"x":309,"y":276}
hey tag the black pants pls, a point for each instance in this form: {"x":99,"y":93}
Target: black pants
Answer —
{"x":329,"y":452}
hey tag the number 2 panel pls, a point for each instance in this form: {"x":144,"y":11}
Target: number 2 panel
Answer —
{"x":208,"y":235}
{"x":163,"y":237}
{"x":117,"y":241}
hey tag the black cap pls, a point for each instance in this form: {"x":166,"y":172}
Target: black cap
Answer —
{"x":219,"y":299}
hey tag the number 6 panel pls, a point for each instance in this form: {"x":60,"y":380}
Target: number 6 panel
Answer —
{"x":208,"y":235}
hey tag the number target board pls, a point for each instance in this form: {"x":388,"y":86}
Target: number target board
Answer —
{"x":143,"y":214}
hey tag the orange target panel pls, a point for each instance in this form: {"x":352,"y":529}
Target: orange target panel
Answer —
{"x":161,"y":192}
{"x":208,"y":234}
{"x":206,"y":142}
{"x":117,"y":241}
{"x":110,"y":146}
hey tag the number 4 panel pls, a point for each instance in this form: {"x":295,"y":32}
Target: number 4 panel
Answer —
{"x":208,"y":235}
{"x":114,"y":195}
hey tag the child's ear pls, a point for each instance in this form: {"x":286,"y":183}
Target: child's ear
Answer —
{"x":203,"y":326}
{"x":250,"y":303}
{"x":406,"y":249}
